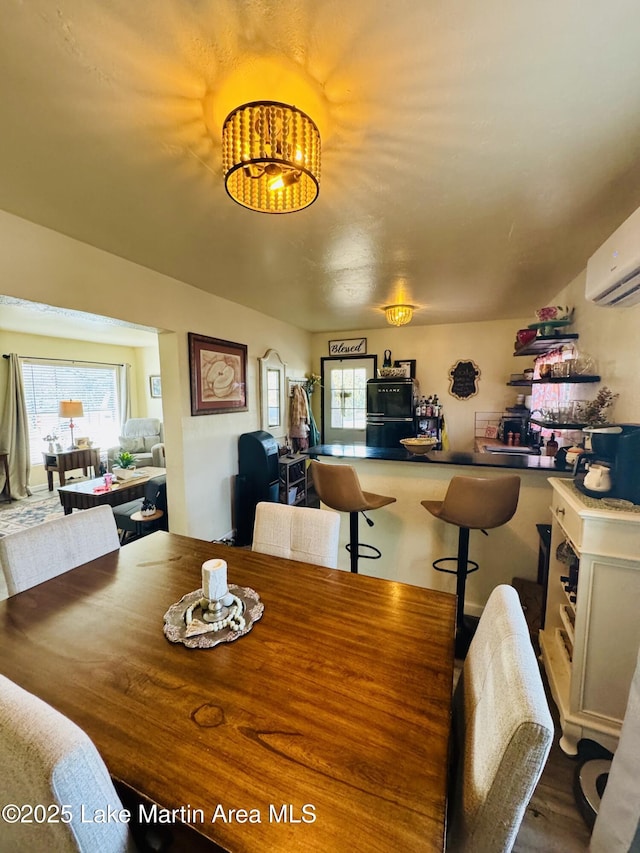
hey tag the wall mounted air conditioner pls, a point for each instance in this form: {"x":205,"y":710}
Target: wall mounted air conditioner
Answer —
{"x":613,"y":271}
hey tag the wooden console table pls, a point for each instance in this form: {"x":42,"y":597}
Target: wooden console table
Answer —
{"x":70,"y":460}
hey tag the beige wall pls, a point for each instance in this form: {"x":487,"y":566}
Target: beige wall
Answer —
{"x":612,"y":337}
{"x":41,"y":265}
{"x":141,"y":360}
{"x":436,"y":349}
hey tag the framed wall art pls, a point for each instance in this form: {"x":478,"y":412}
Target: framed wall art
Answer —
{"x":408,"y":365}
{"x":218,"y":375}
{"x":155,"y":386}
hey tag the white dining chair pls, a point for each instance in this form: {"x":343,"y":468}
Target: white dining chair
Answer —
{"x":50,"y":764}
{"x":297,"y":533}
{"x":617,"y":825}
{"x":502,"y":730}
{"x":39,"y":553}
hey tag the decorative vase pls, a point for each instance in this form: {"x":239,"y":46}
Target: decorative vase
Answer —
{"x":50,"y":449}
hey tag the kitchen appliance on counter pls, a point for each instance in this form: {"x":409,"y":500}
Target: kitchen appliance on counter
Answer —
{"x":610,"y":464}
{"x":390,"y":411}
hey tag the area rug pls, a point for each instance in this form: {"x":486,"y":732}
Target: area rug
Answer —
{"x":23,"y":514}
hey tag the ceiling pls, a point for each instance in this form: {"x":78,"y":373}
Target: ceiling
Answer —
{"x":474,"y":154}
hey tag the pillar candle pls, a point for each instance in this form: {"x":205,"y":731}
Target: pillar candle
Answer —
{"x":214,"y":579}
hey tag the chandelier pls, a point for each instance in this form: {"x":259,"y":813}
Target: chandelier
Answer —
{"x":271,"y":157}
{"x":399,"y":315}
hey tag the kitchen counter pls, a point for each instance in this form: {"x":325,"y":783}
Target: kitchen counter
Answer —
{"x":410,"y":538}
{"x":443,"y":457}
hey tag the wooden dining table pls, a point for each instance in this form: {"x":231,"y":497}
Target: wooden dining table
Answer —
{"x":324,"y":728}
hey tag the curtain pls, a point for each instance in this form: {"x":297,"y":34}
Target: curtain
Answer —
{"x":124,"y":394}
{"x":14,"y":431}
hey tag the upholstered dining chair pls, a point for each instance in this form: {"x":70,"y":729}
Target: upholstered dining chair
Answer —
{"x":502,"y":730}
{"x":39,"y":553}
{"x":46,"y":759}
{"x":297,"y":533}
{"x":617,"y":824}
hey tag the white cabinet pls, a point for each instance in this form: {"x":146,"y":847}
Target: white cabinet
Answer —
{"x":591,"y":634}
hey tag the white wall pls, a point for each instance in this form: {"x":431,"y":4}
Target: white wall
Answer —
{"x":41,"y":265}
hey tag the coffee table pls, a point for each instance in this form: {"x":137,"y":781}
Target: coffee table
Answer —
{"x":83,"y":495}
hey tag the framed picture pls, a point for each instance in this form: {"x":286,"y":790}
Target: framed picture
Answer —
{"x":409,"y":366}
{"x":218,"y":375}
{"x":155,"y":386}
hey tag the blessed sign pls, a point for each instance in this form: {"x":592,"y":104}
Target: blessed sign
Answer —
{"x":353,"y":346}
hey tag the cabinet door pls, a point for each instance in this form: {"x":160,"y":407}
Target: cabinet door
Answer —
{"x":609,"y":594}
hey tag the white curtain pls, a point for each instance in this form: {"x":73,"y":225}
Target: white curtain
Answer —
{"x":14,"y":430}
{"x":124,"y":394}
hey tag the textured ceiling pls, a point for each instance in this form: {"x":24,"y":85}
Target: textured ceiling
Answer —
{"x":474,"y":154}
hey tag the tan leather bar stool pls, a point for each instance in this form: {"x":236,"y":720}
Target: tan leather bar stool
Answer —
{"x":472,"y":503}
{"x":339,"y":488}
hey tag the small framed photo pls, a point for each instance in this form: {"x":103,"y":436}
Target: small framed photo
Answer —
{"x":155,"y":386}
{"x":408,"y":365}
{"x":218,"y":375}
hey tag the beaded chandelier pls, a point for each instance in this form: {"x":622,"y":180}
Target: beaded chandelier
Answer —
{"x":271,"y":157}
{"x":398,"y":315}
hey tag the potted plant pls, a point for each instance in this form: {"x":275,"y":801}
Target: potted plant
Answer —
{"x":125,"y":465}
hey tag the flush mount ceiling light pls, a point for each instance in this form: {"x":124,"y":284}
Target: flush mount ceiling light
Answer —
{"x":271,"y":157}
{"x":399,"y":315}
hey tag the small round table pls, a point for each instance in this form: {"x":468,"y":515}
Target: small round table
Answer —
{"x":141,"y":519}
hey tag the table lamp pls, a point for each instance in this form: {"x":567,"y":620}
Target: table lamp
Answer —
{"x":71,"y":409}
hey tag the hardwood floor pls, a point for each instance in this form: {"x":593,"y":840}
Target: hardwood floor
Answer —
{"x":552,"y":822}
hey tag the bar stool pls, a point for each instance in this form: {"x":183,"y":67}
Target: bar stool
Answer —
{"x":338,"y":487}
{"x":472,"y":503}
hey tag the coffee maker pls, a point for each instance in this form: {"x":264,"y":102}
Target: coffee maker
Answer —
{"x":610,"y":465}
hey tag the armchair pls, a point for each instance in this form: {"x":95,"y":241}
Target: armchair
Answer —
{"x":143,"y":437}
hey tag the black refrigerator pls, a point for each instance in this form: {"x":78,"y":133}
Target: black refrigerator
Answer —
{"x":390,"y":411}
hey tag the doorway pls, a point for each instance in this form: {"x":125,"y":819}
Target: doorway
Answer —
{"x":344,"y":398}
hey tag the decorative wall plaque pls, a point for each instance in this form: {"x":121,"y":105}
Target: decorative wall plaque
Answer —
{"x":350,"y":346}
{"x":463,"y":379}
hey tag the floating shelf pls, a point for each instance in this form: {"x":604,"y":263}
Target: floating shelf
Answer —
{"x":555,"y":425}
{"x":565,"y":380}
{"x":520,"y":383}
{"x":546,"y":343}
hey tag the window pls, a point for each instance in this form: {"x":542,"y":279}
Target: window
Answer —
{"x":348,"y":397}
{"x":46,"y":383}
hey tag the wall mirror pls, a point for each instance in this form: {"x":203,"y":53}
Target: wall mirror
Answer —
{"x":273,"y":412}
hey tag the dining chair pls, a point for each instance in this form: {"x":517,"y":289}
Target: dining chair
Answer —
{"x":617,"y":824}
{"x":297,"y":533}
{"x":38,"y":553}
{"x":502,"y":730}
{"x":52,"y":765}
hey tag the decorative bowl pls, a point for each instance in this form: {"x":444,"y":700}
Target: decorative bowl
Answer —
{"x":419,"y":445}
{"x":391,"y":373}
{"x":553,"y":312}
{"x":525,"y":336}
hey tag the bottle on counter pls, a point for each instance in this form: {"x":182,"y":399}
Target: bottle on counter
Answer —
{"x":552,"y":446}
